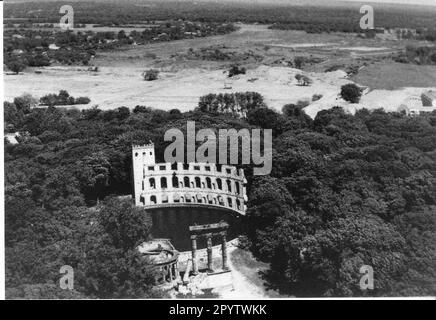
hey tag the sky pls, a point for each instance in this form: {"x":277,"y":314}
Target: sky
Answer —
{"x":424,"y":2}
{"x":411,"y":2}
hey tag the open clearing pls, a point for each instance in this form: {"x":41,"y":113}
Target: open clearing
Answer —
{"x":265,"y":53}
{"x":247,"y":279}
{"x":114,"y":87}
{"x":392,"y":75}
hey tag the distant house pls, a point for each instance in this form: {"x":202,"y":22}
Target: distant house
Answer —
{"x":411,"y":106}
{"x":428,"y":98}
{"x":408,"y":111}
{"x":53,"y":47}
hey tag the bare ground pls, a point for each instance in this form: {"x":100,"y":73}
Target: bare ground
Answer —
{"x":183,"y":80}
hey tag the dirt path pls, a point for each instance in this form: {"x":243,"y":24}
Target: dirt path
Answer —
{"x":247,"y":282}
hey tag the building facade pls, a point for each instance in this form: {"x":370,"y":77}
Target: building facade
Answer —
{"x":181,"y":184}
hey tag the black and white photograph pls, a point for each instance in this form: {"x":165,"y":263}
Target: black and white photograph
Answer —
{"x":225,"y":150}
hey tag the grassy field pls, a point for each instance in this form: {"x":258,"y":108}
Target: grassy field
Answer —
{"x":392,"y":75}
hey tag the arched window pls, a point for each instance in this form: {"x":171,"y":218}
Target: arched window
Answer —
{"x":176,"y":198}
{"x":174,"y":166}
{"x":219,"y":183}
{"x":175,"y":181}
{"x":142,"y":200}
{"x":229,"y":186}
{"x":142,"y":184}
{"x":188,"y":198}
{"x":237,"y":187}
{"x":153,"y":200}
{"x":186,"y":182}
{"x":163,"y":183}
{"x":221,"y":200}
{"x":208,"y":183}
{"x":238,"y":204}
{"x":152,"y":183}
{"x":229,"y":201}
{"x":165,"y":198}
{"x":197,"y":182}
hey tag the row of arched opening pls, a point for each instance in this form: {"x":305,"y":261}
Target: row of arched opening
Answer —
{"x":201,"y":199}
{"x":194,"y":183}
{"x":186,"y":167}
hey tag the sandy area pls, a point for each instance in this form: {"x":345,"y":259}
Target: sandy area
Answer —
{"x":243,"y":287}
{"x":364,"y":48}
{"x":115,"y":87}
{"x":389,"y":100}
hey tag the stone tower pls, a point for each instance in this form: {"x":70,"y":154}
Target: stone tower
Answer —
{"x":142,"y":156}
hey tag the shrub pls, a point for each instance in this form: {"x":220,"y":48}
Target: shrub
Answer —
{"x":82,"y":100}
{"x":334,"y":67}
{"x":62,"y":99}
{"x":25,"y":102}
{"x":16,"y":65}
{"x":351,"y":93}
{"x":237,"y":104}
{"x":303,"y":80}
{"x":235,"y":70}
{"x":150,"y":75}
{"x":298,"y":62}
{"x":38,"y":60}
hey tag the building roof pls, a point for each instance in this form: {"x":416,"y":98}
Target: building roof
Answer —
{"x":431,"y":94}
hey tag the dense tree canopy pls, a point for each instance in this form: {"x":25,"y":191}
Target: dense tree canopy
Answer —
{"x":342,"y":194}
{"x":344,"y":191}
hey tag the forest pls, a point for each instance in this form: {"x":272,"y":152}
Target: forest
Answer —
{"x":30,"y":35}
{"x":33,"y":47}
{"x":344,"y":191}
{"x":331,"y":18}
